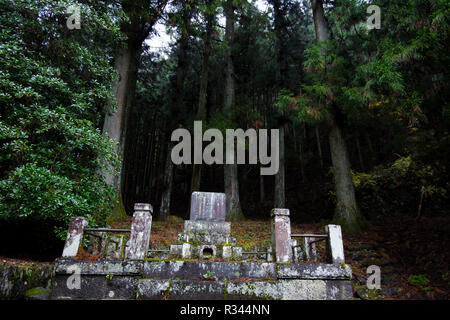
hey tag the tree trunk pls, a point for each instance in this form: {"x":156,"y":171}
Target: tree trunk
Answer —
{"x":164,"y":210}
{"x":115,"y":119}
{"x":233,"y":205}
{"x":319,"y":146}
{"x":280,"y":196}
{"x":261,"y":189}
{"x":115,"y":122}
{"x":280,"y":192}
{"x":361,"y":161}
{"x":177,"y":106}
{"x":320,"y":24}
{"x":229,"y":66}
{"x":201,"y":110}
{"x":231,"y":184}
{"x":302,"y":160}
{"x":372,"y":154}
{"x":347,"y":213}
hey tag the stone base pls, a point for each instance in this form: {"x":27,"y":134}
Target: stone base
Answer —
{"x":207,"y":232}
{"x":99,"y":280}
{"x":219,"y":227}
{"x":115,"y":279}
{"x":199,"y":238}
{"x":220,"y":270}
{"x":227,"y":253}
{"x":244,"y":290}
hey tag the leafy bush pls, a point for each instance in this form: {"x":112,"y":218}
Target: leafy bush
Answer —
{"x":399,"y":187}
{"x":419,"y":280}
{"x":54,"y":83}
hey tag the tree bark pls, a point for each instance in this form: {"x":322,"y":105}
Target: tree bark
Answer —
{"x":164,"y":210}
{"x":177,"y":106}
{"x":319,"y":146}
{"x":302,"y":160}
{"x":280,"y":193}
{"x":231,"y":183}
{"x":126,"y":63}
{"x":280,"y":189}
{"x":360,"y":157}
{"x":372,"y":154}
{"x":229,"y":66}
{"x":203,"y":95}
{"x":261,"y":189}
{"x":347,"y":213}
{"x":320,"y":24}
{"x":115,"y":118}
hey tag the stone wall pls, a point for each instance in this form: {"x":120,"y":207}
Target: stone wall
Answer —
{"x":193,"y":280}
{"x":20,"y":282}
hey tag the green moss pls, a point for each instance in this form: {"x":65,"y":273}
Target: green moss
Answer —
{"x":159,"y":259}
{"x":350,"y":220}
{"x":226,"y":296}
{"x":420,"y":280}
{"x":369,"y":294}
{"x":118,"y":213}
{"x":237,"y":215}
{"x":36,"y":292}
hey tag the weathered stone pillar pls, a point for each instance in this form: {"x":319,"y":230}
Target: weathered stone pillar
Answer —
{"x":140,"y":231}
{"x":74,"y":236}
{"x":227,"y":252}
{"x":186,"y":251}
{"x":297,"y":252}
{"x":335,"y":243}
{"x":310,"y":248}
{"x":281,"y":235}
{"x":237,"y":253}
{"x":269,"y":254}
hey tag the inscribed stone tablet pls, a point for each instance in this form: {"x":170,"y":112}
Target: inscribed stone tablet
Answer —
{"x":207,"y":206}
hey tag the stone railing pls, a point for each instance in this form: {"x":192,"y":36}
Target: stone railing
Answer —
{"x":111,"y":243}
{"x":286,"y":249}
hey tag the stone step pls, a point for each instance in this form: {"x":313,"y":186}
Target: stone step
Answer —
{"x":243,"y":290}
{"x":108,"y":279}
{"x":194,"y":270}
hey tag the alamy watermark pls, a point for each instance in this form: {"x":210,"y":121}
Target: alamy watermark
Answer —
{"x":374,"y":279}
{"x":214,"y":153}
{"x":74,"y":281}
{"x":374,"y":20}
{"x":74,"y":20}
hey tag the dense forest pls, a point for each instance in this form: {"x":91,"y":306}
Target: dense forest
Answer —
{"x":88,"y":104}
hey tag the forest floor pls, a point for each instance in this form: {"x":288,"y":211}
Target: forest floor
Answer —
{"x":413,"y":255}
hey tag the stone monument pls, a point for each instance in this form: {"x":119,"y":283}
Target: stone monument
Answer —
{"x":206,"y":230}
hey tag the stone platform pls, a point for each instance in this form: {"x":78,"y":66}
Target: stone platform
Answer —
{"x":192,"y":280}
{"x":205,"y":264}
{"x":207,"y":232}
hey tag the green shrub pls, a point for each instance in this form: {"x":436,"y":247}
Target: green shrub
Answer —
{"x":419,"y":280}
{"x":54,"y":83}
{"x":398,"y":187}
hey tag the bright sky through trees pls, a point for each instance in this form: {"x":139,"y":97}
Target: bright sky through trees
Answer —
{"x":161,"y":40}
